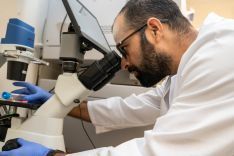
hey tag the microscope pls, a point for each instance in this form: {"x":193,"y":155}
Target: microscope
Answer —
{"x":45,"y":125}
{"x":17,"y":49}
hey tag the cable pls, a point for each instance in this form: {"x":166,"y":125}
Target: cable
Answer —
{"x":61,"y":29}
{"x":51,"y":90}
{"x":82,"y":123}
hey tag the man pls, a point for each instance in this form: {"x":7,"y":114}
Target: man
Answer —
{"x":196,"y":101}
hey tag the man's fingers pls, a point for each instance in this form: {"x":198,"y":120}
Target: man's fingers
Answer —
{"x":32,"y":98}
{"x":25,"y":84}
{"x":20,"y":84}
{"x":21,"y":91}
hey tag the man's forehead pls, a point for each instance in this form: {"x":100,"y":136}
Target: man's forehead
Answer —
{"x":119,"y":28}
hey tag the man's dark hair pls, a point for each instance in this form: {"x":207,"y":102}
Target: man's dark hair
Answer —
{"x":137,"y":12}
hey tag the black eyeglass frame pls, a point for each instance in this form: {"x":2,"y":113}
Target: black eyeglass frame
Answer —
{"x":119,"y":45}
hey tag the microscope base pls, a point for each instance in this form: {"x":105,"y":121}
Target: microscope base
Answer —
{"x":42,"y":130}
{"x":54,"y":142}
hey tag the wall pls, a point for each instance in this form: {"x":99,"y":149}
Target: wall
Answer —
{"x":203,"y":7}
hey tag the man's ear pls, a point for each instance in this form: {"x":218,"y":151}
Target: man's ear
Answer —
{"x":155,"y":32}
{"x":154,"y":25}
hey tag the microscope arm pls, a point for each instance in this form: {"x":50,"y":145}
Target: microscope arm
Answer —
{"x":68,"y":89}
{"x":46,"y":125}
{"x":71,"y":89}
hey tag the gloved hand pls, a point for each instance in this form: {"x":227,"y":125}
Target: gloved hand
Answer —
{"x":27,"y":149}
{"x":33,"y":94}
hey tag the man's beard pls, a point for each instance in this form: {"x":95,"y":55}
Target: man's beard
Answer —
{"x":154,"y":66}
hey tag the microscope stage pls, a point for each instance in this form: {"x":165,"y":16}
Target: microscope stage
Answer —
{"x":19,"y":104}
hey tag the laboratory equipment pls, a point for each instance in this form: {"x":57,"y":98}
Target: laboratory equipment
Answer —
{"x":17,"y":48}
{"x":45,"y":126}
{"x":12,"y":96}
{"x":122,"y":84}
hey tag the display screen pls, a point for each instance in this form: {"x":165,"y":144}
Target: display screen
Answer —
{"x":86,"y":23}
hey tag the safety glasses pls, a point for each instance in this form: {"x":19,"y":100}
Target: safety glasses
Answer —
{"x":120,"y":46}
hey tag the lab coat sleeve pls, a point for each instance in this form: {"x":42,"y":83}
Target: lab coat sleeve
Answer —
{"x":117,"y":113}
{"x":129,"y":148}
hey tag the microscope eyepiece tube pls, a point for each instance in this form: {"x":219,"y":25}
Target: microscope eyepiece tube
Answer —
{"x":101,"y":72}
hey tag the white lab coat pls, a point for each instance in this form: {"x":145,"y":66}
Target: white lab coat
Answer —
{"x":195,"y":117}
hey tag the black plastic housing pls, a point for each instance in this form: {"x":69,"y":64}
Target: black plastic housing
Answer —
{"x":101,"y":72}
{"x":16,"y":70}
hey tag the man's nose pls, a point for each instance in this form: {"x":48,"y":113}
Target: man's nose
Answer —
{"x":124,"y":63}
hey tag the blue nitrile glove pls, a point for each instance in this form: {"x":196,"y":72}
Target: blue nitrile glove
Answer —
{"x":33,"y":94}
{"x":27,"y":149}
